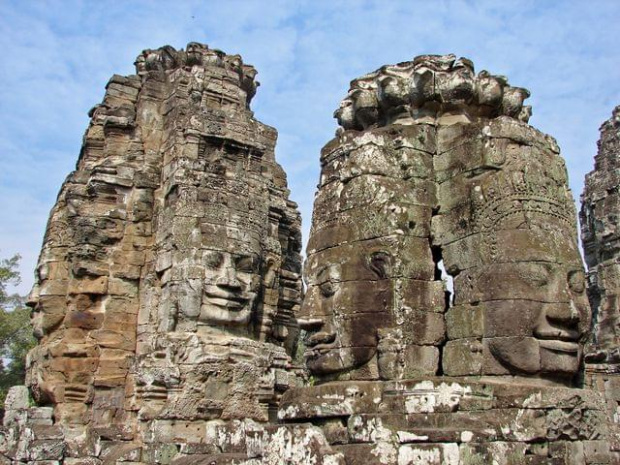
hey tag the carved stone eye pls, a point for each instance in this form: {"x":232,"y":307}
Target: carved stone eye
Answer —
{"x":245,"y":264}
{"x":577,"y":281}
{"x":538,"y":278}
{"x":380,"y":264}
{"x":327,"y":280}
{"x":327,"y":289}
{"x":213,"y":260}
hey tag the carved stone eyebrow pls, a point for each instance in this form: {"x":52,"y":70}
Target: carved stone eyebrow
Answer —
{"x":246,"y":262}
{"x":325,"y":275}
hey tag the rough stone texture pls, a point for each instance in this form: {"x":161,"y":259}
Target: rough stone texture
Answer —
{"x":599,"y":224}
{"x":455,"y":421}
{"x":435,"y":167}
{"x":170,"y":271}
{"x":169,"y":283}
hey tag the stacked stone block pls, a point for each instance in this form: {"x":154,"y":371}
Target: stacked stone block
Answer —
{"x":370,"y":271}
{"x":599,"y":223}
{"x":169,"y":278}
{"x":455,"y":421}
{"x":436,"y":175}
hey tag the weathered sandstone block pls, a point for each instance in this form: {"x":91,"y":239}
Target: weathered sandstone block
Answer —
{"x":455,"y":421}
{"x":436,"y":167}
{"x":599,"y":223}
{"x":170,"y":271}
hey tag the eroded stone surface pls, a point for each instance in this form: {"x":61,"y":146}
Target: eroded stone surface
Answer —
{"x":599,"y":223}
{"x":429,"y":89}
{"x":442,"y":420}
{"x":170,"y":271}
{"x":435,"y":167}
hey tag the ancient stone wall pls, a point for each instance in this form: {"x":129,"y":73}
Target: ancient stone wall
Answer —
{"x":455,"y":421}
{"x":599,"y":223}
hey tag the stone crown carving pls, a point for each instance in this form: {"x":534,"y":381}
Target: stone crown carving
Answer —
{"x":427,"y":88}
{"x":167,"y":58}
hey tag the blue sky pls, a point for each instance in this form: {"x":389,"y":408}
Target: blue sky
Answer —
{"x":58,"y":55}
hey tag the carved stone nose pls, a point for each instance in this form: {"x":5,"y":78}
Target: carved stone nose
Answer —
{"x":567,"y":315}
{"x":559,"y":322}
{"x":32,"y":300}
{"x":228,"y":279}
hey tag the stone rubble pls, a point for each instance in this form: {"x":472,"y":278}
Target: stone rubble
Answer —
{"x":445,"y":314}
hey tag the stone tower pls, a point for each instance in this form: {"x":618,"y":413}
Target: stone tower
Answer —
{"x":170,"y":270}
{"x":434,"y":176}
{"x":599,"y":228}
{"x":599,"y":221}
{"x":436,"y":167}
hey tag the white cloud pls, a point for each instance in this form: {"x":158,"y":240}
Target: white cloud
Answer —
{"x":58,"y":55}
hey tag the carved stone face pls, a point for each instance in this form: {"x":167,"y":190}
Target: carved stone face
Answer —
{"x":345,"y":305}
{"x":140,"y":64}
{"x":561,"y":327}
{"x":535,"y":315}
{"x":47,"y":309}
{"x":345,"y":114}
{"x":36,"y":315}
{"x":231,"y":284}
{"x":194,"y":53}
{"x":530,"y":300}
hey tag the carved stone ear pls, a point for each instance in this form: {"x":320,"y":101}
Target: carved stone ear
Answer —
{"x":269,"y":279}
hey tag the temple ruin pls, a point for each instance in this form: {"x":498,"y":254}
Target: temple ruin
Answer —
{"x":599,"y":222}
{"x":445,"y":318}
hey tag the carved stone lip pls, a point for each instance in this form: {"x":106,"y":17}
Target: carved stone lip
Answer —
{"x":557,"y":334}
{"x":221,"y":298}
{"x":321,"y":340}
{"x":318,"y":350}
{"x":559,"y":346}
{"x":310,"y":323}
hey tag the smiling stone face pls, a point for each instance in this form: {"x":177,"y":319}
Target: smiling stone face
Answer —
{"x":439,"y":166}
{"x":532,"y":316}
{"x":374,"y":303}
{"x":345,"y":306}
{"x":508,"y":235}
{"x":231,"y":285}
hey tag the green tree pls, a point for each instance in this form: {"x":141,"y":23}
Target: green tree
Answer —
{"x":15,"y":330}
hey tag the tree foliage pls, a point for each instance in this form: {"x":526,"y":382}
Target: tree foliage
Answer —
{"x":15,"y":330}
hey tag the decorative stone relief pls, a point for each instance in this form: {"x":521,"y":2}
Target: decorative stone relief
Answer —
{"x":170,"y":271}
{"x":599,"y":223}
{"x":433,"y":167}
